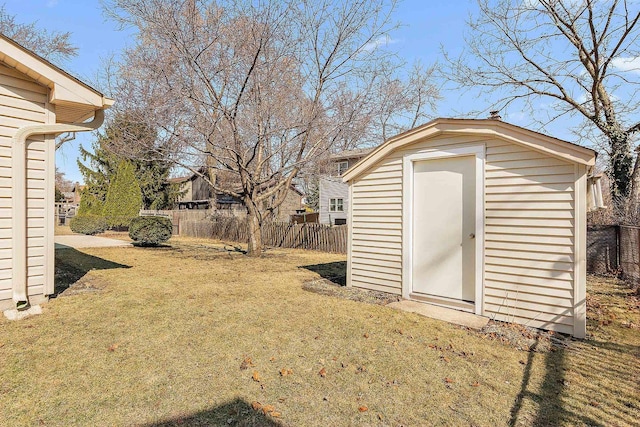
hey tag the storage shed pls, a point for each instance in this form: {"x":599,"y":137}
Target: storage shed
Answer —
{"x":477,"y":215}
{"x":37,"y":102}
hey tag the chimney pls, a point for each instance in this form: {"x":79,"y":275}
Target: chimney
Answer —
{"x":494,"y":115}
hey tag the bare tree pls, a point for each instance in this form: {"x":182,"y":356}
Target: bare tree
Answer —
{"x":62,"y":183}
{"x":52,"y":45}
{"x":255,"y":89}
{"x":582,"y":55}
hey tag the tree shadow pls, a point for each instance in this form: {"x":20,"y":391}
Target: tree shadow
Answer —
{"x":549,"y":398}
{"x":335,"y":272}
{"x":237,"y":413}
{"x":72,"y":265}
{"x":593,"y":362}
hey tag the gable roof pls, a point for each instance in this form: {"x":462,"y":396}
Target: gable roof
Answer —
{"x":479,"y":127}
{"x":75,"y":100}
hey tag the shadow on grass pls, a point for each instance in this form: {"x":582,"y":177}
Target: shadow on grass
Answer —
{"x":234,"y":413}
{"x":71,"y":265}
{"x":592,"y":382}
{"x":335,"y":272}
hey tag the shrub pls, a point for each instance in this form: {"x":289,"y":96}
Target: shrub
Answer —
{"x":88,"y":224}
{"x":150,"y":230}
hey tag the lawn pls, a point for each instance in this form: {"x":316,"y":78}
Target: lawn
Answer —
{"x":196,"y":335}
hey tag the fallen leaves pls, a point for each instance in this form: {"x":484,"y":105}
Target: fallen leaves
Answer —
{"x":285,"y":371}
{"x":246,"y":363}
{"x":363,"y":409}
{"x":266,"y":409}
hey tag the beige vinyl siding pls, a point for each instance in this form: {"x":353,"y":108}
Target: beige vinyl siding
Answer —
{"x":23,"y":102}
{"x":530,"y":224}
{"x":529,"y":237}
{"x":376,"y":238}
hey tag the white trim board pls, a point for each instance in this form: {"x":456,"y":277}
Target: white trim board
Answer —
{"x":477,"y":150}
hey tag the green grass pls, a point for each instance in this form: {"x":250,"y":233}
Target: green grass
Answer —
{"x":160,"y":336}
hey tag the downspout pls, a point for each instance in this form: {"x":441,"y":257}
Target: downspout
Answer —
{"x":19,"y":196}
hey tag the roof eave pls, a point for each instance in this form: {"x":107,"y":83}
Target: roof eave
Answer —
{"x":482,"y":128}
{"x":65,"y":89}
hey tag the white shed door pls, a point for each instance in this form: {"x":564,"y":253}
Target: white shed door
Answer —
{"x":443,"y":253}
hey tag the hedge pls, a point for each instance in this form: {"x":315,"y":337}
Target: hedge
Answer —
{"x":150,"y":230}
{"x":88,"y":224}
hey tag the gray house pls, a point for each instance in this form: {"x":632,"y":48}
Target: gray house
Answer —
{"x":333,"y":201}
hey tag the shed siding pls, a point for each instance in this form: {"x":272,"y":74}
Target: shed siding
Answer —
{"x":529,"y":231}
{"x":24,"y":102}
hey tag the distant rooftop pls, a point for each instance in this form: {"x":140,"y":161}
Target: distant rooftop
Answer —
{"x":351,"y":154}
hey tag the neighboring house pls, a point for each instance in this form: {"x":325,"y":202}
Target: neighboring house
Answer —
{"x":199,"y":194}
{"x":293,"y":204}
{"x":196,"y":192}
{"x":477,"y":215}
{"x":333,"y":193}
{"x":39,"y":101}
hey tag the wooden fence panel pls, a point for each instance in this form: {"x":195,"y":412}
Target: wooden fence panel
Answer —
{"x":309,"y":236}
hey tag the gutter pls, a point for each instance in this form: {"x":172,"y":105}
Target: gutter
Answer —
{"x":19,"y":196}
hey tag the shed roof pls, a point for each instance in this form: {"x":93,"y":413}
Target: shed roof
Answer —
{"x":75,"y":100}
{"x":483,"y":128}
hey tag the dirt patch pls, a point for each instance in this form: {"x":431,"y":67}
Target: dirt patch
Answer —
{"x":524,"y":338}
{"x":327,"y":287}
{"x":83,"y":286}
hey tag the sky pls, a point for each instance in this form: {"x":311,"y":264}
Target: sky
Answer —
{"x":426,"y":25}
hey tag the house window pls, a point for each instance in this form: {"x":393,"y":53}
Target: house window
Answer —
{"x":336,"y":205}
{"x":342,"y":167}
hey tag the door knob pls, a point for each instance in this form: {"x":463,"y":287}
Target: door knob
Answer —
{"x":472,"y":236}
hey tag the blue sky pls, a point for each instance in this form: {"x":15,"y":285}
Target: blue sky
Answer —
{"x":426,"y":25}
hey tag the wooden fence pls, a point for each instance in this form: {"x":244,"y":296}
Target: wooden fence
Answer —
{"x":178,"y":217}
{"x":317,"y":237}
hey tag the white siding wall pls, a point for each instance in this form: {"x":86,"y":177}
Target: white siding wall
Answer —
{"x":529,"y":231}
{"x":24,"y":102}
{"x":332,"y":188}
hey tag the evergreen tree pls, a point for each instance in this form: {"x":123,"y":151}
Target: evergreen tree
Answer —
{"x":157,"y":191}
{"x":98,"y":172}
{"x":124,"y":197}
{"x":151,"y":172}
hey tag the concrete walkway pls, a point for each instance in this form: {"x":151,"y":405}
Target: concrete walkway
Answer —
{"x":450,"y":315}
{"x":81,"y":241}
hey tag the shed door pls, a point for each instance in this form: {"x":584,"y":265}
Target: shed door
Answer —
{"x":444,"y":212}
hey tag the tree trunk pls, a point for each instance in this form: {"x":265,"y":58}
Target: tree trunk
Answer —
{"x":621,"y":164}
{"x":633,"y":204}
{"x":254,"y":245}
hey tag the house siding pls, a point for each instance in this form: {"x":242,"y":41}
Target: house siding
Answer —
{"x":530,"y":230}
{"x":332,"y":188}
{"x":24,"y":102}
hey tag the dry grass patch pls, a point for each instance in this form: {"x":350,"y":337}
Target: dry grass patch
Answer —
{"x":63,"y":230}
{"x":195,"y":334}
